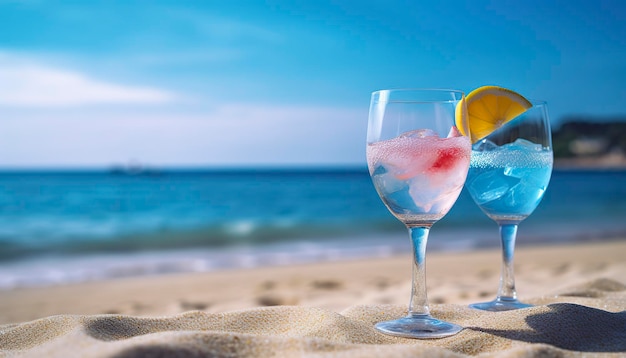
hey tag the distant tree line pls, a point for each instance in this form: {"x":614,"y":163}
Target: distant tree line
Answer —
{"x":583,"y":136}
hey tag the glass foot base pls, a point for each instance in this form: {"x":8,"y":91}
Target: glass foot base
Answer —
{"x":500,"y":304}
{"x":419,"y":326}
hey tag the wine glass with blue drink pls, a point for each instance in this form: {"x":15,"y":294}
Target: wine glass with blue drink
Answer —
{"x":510,"y":169}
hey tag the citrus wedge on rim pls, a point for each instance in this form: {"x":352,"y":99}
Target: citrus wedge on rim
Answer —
{"x":488,"y":108}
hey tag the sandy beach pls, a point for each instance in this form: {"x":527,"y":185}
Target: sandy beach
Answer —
{"x":328,"y":309}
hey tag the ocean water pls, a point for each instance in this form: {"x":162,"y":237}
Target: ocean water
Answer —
{"x":60,"y":227}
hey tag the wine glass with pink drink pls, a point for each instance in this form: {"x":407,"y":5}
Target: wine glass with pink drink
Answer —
{"x":418,"y":161}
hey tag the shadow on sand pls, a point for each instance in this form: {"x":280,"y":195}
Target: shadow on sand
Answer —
{"x":572,"y":327}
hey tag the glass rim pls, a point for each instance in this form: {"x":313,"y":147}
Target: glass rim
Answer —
{"x":534,"y":102}
{"x":383,"y":94}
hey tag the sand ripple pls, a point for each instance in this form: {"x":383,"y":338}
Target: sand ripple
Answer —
{"x":588,"y":320}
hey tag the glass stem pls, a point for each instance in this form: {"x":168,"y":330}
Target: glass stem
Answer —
{"x":419,"y":300}
{"x":508,"y":233}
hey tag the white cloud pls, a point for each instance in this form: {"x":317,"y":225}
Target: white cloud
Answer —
{"x":48,"y":121}
{"x":24,"y":83}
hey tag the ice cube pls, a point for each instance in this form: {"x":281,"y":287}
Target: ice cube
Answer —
{"x":419,"y":133}
{"x":446,"y":199}
{"x":408,"y":155}
{"x":454,"y":132}
{"x":516,"y":172}
{"x":431,"y":195}
{"x":523,"y":197}
{"x":485,"y":145}
{"x":539,"y":179}
{"x":452,"y":154}
{"x":422,"y":193}
{"x":410,"y":161}
{"x":490,"y":186}
{"x":523,"y":144}
{"x":387,"y":181}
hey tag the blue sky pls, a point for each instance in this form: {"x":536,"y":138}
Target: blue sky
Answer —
{"x":239,"y":83}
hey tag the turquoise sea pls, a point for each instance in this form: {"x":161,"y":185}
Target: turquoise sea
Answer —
{"x":71,"y":226}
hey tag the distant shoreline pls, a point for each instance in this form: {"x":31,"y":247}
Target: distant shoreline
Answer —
{"x":613,"y":161}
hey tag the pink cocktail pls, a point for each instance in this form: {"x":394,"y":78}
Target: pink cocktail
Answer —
{"x":419,"y":175}
{"x":418,"y":160}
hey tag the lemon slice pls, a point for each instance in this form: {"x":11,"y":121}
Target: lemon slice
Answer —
{"x":488,"y":108}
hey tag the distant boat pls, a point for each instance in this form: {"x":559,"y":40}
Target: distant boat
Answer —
{"x":132,"y":169}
